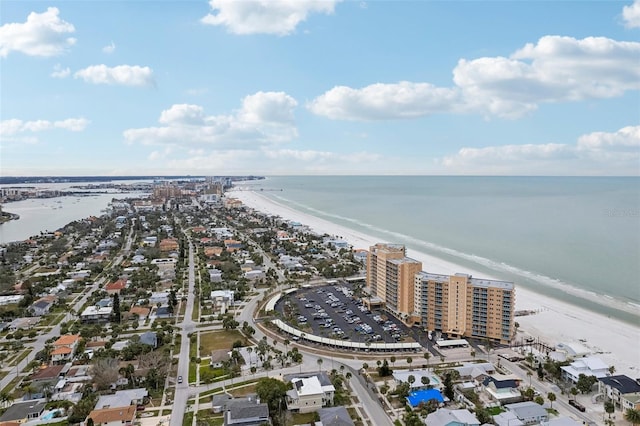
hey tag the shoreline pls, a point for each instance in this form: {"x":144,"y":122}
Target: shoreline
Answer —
{"x":614,"y":341}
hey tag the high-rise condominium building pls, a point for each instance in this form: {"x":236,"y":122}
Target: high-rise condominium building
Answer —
{"x":390,"y":276}
{"x":462,"y":306}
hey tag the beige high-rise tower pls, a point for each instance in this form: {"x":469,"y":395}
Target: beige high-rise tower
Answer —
{"x":462,"y":306}
{"x":390,"y":276}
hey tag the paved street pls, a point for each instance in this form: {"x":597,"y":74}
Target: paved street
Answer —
{"x":188,"y":326}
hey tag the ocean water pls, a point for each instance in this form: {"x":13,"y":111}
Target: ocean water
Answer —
{"x":573,"y":238}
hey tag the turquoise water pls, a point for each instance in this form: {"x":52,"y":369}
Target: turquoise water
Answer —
{"x":573,"y":238}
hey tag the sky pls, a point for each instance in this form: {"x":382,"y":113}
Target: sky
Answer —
{"x":270,"y":87}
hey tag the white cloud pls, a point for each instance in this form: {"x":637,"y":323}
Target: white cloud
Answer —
{"x":631,"y":15}
{"x":59,"y":72}
{"x":109,"y":48}
{"x":555,"y":69}
{"x":264,"y":118}
{"x":43,"y":34}
{"x":14,"y":126}
{"x":125,"y":75}
{"x":279,"y":17}
{"x":384,"y":101}
{"x":598,"y":153}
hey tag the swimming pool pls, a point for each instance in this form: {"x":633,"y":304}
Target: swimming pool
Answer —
{"x":424,"y":395}
{"x":51,"y":414}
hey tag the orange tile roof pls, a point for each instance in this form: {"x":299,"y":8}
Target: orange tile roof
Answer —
{"x":67,"y":339}
{"x":107,"y":415}
{"x":63,"y":350}
{"x":117,"y":285}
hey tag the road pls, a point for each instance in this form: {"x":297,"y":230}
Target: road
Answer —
{"x":39,"y":343}
{"x":188,"y":326}
{"x":561,"y":404}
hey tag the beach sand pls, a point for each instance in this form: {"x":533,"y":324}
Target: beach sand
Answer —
{"x":615,"y":342}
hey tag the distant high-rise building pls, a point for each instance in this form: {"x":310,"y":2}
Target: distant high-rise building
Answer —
{"x":462,"y":306}
{"x":390,"y":275}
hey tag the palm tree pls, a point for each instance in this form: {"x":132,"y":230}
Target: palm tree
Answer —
{"x":427,"y":355}
{"x":529,"y":374}
{"x":393,"y":360}
{"x":411,"y":379}
{"x":5,"y":397}
{"x":632,"y":416}
{"x":319,"y":361}
{"x":551,"y":397}
{"x":609,"y":407}
{"x":425,"y":381}
{"x":409,"y":361}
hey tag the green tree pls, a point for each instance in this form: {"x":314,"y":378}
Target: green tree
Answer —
{"x":272,"y":392}
{"x":411,"y":379}
{"x":448,"y":386}
{"x":585,"y":383}
{"x":632,"y":416}
{"x":539,"y":400}
{"x":425,"y":381}
{"x":116,"y":308}
{"x":409,"y":361}
{"x":412,"y":418}
{"x":551,"y":397}
{"x":609,"y":407}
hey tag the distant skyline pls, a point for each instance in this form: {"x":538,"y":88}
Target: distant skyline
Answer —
{"x":289,"y":87}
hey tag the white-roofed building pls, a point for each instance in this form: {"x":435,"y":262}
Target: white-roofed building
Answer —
{"x":446,"y":417}
{"x":222,"y":300}
{"x":589,"y":366}
{"x":308,"y":394}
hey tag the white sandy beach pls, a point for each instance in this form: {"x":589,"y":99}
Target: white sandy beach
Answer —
{"x":615,"y":342}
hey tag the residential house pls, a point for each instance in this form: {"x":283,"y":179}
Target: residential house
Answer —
{"x":46,"y":375}
{"x":504,"y":391}
{"x":149,"y":338}
{"x":528,"y":412}
{"x":308,"y":394}
{"x":64,"y":347}
{"x":213,"y":251}
{"x":507,"y":418}
{"x":141,"y":311}
{"x":446,"y":417}
{"x":232,"y":245}
{"x":96,"y":314}
{"x":246,"y":412}
{"x":168,"y":245}
{"x":41,"y":307}
{"x":166,"y":266}
{"x":403,"y":376}
{"x":22,"y":412}
{"x":123,"y":398}
{"x":589,"y":366}
{"x":254,"y":274}
{"x":218,"y":357}
{"x":620,"y":389}
{"x":473,"y":371}
{"x":118,"y":416}
{"x":335,"y":416}
{"x":78,"y":275}
{"x":222,"y":300}
{"x":161,"y":297}
{"x":115,"y":287}
{"x":23,"y":323}
{"x":215,"y":275}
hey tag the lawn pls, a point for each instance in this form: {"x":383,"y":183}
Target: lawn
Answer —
{"x":244,"y":391}
{"x":494,"y":411}
{"x":303,"y":418}
{"x":195,"y":315}
{"x":219,"y":340}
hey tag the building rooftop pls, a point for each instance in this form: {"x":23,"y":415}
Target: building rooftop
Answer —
{"x":21,"y":410}
{"x":335,"y":416}
{"x":621,"y":383}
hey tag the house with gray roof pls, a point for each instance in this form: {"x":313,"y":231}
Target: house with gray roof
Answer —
{"x":246,"y":412}
{"x":24,"y":411}
{"x":335,"y":416}
{"x":122,"y":398}
{"x":528,"y":412}
{"x":149,"y":338}
{"x":446,"y":417}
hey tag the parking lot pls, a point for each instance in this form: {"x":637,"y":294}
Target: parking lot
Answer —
{"x":331,"y":311}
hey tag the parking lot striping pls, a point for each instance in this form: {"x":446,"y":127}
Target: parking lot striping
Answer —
{"x":331,"y":311}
